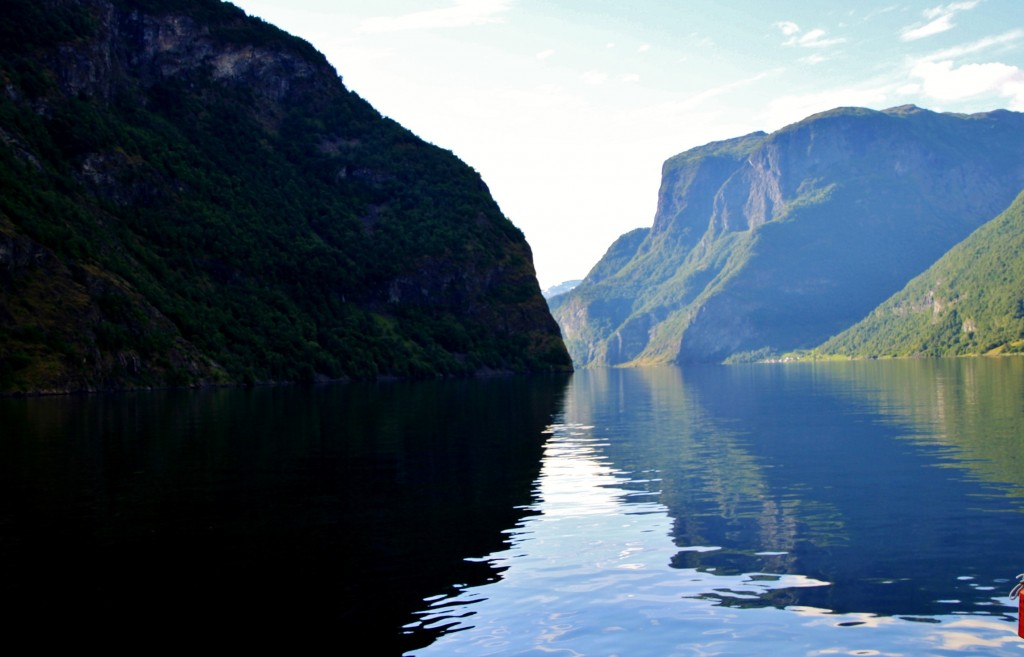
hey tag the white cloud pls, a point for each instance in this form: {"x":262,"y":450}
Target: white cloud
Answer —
{"x":937,"y":26}
{"x":1016,"y":89}
{"x":941,"y":77}
{"x":595,"y":77}
{"x":940,"y":19}
{"x":464,"y":13}
{"x":544,"y":54}
{"x":945,"y":81}
{"x":631,"y":77}
{"x":816,"y":38}
{"x":644,"y":48}
{"x":789,"y":28}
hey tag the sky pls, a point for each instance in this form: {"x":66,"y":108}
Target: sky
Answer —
{"x":569,"y":108}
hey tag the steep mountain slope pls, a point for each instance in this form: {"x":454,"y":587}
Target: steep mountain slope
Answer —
{"x":969,"y":302}
{"x":191,"y":195}
{"x":769,"y":243}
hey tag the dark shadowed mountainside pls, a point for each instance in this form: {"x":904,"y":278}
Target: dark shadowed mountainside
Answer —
{"x":970,"y":302}
{"x":190,"y":195}
{"x":775,"y":242}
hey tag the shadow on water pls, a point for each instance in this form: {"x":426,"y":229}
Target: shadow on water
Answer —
{"x":332,"y":510}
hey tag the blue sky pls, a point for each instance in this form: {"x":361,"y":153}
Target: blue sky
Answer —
{"x":568,"y":108}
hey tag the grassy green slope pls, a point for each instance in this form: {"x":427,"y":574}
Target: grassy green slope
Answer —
{"x":969,"y":302}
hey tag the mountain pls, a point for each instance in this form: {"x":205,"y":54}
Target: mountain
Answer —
{"x":561,"y":288}
{"x":769,"y":243}
{"x":969,"y":302}
{"x":191,"y":195}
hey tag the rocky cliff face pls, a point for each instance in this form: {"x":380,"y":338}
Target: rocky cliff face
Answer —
{"x":770,"y":243}
{"x":192,"y":195}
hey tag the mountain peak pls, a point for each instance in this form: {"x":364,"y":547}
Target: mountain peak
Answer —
{"x":904,"y":110}
{"x":768,"y":243}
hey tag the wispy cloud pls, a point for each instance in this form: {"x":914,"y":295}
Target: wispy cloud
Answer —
{"x":943,"y":10}
{"x":463,"y":13}
{"x":940,"y":19}
{"x":813,"y":58}
{"x":976,"y":46}
{"x":544,"y":54}
{"x":708,"y":94}
{"x":816,"y":38}
{"x":595,"y":77}
{"x":937,"y":26}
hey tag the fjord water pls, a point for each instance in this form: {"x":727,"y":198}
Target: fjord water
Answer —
{"x":309,"y":512}
{"x":869,"y":508}
{"x":790,"y":509}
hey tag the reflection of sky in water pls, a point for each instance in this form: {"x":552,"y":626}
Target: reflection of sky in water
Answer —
{"x":590,"y":574}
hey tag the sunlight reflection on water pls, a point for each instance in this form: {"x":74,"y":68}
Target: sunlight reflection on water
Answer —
{"x":589,"y":574}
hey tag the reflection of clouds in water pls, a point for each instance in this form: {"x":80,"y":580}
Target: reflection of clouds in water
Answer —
{"x":590,"y":566}
{"x":971,"y":633}
{"x":589,"y":572}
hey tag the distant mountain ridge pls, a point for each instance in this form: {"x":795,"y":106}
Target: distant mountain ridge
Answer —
{"x":561,"y":288}
{"x":191,"y":195}
{"x":770,"y":243}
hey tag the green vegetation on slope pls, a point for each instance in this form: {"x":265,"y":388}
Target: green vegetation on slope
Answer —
{"x":969,"y":302}
{"x":221,"y":208}
{"x":766,"y":244}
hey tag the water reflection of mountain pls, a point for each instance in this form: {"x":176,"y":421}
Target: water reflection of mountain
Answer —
{"x":971,"y":405}
{"x":792,"y":470}
{"x":328,"y":511}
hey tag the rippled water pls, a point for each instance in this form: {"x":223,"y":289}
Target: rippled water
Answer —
{"x":847,"y":508}
{"x":861,"y":509}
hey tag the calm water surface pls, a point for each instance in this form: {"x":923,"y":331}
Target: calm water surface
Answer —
{"x":848,"y":508}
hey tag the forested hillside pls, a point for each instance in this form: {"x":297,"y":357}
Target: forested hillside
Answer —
{"x":190,"y":195}
{"x":970,"y":302}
